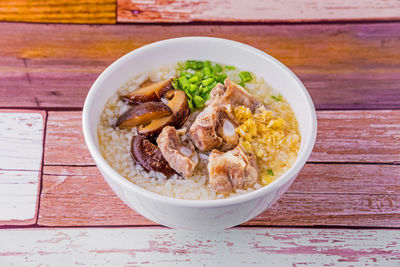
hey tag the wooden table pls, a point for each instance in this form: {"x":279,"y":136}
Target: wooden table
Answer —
{"x":343,"y":209}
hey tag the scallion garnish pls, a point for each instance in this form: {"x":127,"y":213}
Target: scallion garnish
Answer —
{"x":198,"y":78}
{"x":207,"y":81}
{"x":276,"y":98}
{"x":270,"y":172}
{"x":245,"y":76}
{"x":198,"y":101}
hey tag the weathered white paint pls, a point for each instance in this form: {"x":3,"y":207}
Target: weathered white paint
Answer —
{"x":18,"y":195}
{"x":21,"y":146}
{"x":165,"y":247}
{"x":253,"y":10}
{"x":21,"y":140}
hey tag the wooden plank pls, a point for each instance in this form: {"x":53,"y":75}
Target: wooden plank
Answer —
{"x":234,"y":247}
{"x":346,"y":66}
{"x":343,"y":136}
{"x":345,"y":194}
{"x":21,"y":139}
{"x":21,"y":142}
{"x":19,"y":197}
{"x":358,"y":136}
{"x":255,"y":11}
{"x":56,"y":11}
{"x":76,"y":196}
{"x":64,"y":140}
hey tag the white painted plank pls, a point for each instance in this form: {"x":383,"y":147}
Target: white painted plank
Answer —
{"x":165,"y":247}
{"x":21,"y":148}
{"x":151,"y":11}
{"x":21,"y":137}
{"x":18,"y":196}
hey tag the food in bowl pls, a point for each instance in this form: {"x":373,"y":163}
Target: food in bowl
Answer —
{"x":199,"y":130}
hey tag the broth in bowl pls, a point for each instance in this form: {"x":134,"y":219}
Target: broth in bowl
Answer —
{"x":199,"y":130}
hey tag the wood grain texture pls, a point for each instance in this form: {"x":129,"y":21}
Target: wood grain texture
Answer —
{"x":21,"y":139}
{"x":75,"y":196}
{"x":343,"y":136}
{"x":234,"y":247}
{"x":65,"y":144}
{"x":21,"y":147}
{"x":358,"y":136}
{"x":345,"y":66}
{"x":323,"y":194}
{"x":255,"y":11}
{"x":19,"y":197}
{"x":59,"y":11}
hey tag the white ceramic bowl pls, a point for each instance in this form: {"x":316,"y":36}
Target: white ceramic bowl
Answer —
{"x":199,"y":215}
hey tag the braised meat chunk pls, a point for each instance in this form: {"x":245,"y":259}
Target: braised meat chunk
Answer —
{"x":214,"y":128}
{"x":231,"y":94}
{"x":231,"y":170}
{"x":181,"y":156}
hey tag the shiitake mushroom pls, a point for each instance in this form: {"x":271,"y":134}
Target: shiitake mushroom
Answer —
{"x":152,"y":92}
{"x":142,"y":113}
{"x":149,"y":156}
{"x":178,"y":103}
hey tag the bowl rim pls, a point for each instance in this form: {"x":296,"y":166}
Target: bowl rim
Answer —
{"x":116,"y":177}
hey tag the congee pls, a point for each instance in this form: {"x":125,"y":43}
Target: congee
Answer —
{"x":199,"y":130}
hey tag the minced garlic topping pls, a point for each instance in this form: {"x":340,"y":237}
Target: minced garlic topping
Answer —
{"x":272,"y":140}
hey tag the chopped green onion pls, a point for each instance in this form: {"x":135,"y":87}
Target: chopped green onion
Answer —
{"x":193,"y":88}
{"x":198,"y":101}
{"x":199,"y":75}
{"x":175,"y":84}
{"x":276,"y":98}
{"x":182,"y":81}
{"x":180,"y":67}
{"x":198,"y":78}
{"x":217,"y":68}
{"x":270,"y":172}
{"x":212,"y":85}
{"x":203,"y":89}
{"x":185,"y":87}
{"x":190,"y":100}
{"x":220,"y":78}
{"x":194,"y":79}
{"x":206,"y":71}
{"x":245,"y":76}
{"x":194,"y":65}
{"x":207,"y":81}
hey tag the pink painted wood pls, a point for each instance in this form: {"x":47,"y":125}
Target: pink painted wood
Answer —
{"x":344,"y":66}
{"x":343,"y":136}
{"x":352,"y":179}
{"x":326,"y":194}
{"x":329,"y":194}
